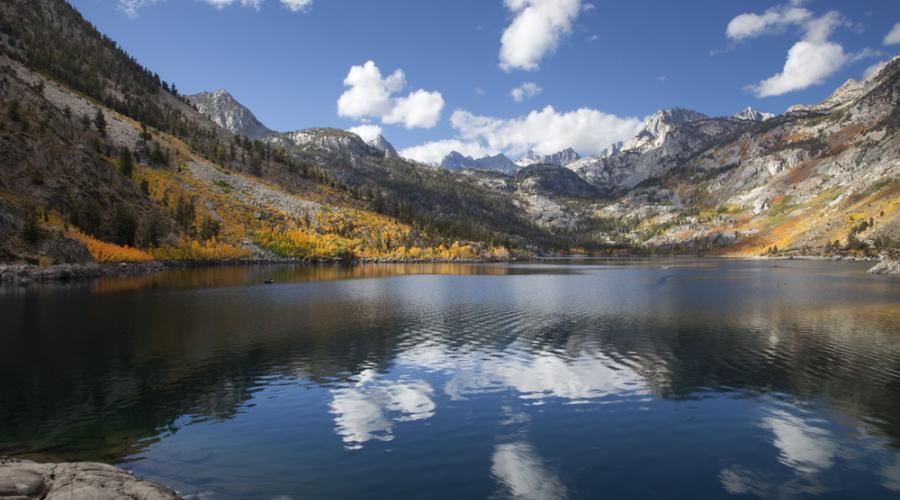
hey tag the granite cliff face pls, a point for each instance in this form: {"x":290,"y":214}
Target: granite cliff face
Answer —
{"x":332,"y":140}
{"x":668,"y":138}
{"x":560,"y":158}
{"x":226,"y":112}
{"x":499,"y":163}
{"x":818,"y":179}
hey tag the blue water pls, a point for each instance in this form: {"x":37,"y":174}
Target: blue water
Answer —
{"x":658,"y":379}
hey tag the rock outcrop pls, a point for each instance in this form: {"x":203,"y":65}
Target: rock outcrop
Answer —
{"x":225,"y":111}
{"x":499,"y":163}
{"x":25,"y":480}
{"x":329,"y":140}
{"x":887,"y":265}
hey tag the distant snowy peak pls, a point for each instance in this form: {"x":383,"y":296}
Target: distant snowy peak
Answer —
{"x":500,"y":163}
{"x":529,"y":158}
{"x":611,"y":151}
{"x":657,"y":126}
{"x":225,"y":111}
{"x":561,"y":158}
{"x":752,"y":115}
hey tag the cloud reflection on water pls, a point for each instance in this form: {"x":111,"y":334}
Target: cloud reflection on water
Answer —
{"x":368,"y":409}
{"x":523,"y":474}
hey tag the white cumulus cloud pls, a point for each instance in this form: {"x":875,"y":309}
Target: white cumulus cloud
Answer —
{"x":297,"y":5}
{"x":433,"y":152}
{"x":370,"y":95}
{"x":809,"y":61}
{"x":546,"y":131}
{"x":131,"y":7}
{"x":366,"y":132}
{"x":893,"y":37}
{"x":751,"y":25}
{"x":525,"y":91}
{"x":535,"y":31}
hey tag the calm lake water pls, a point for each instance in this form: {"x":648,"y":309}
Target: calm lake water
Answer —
{"x":675,"y":379}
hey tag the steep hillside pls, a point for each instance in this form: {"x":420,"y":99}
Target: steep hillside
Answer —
{"x":102,"y":160}
{"x":99,"y":154}
{"x":821,"y":179}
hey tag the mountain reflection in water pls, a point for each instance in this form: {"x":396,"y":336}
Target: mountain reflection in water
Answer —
{"x":534,"y":381}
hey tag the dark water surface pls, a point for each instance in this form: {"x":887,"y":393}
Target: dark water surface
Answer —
{"x":638,"y":380}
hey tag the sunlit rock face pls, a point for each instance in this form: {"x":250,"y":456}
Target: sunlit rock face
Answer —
{"x":225,"y":111}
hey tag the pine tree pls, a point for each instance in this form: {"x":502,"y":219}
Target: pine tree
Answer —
{"x":100,"y":123}
{"x":126,"y":162}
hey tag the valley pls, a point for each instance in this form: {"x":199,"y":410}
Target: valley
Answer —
{"x":105,"y":162}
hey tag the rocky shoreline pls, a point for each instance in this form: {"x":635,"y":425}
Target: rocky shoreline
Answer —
{"x":886,"y":266}
{"x":26,"y":480}
{"x":25,"y":274}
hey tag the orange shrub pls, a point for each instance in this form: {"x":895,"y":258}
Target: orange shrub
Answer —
{"x":110,"y":252}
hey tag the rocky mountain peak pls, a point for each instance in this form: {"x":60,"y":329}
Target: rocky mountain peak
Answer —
{"x":333,"y":140}
{"x":381,"y":143}
{"x":499,"y":162}
{"x":225,"y":111}
{"x":752,"y":115}
{"x":658,"y":125}
{"x":560,"y":158}
{"x":850,"y":91}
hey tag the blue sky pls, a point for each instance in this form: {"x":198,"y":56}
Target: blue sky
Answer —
{"x":594,"y":68}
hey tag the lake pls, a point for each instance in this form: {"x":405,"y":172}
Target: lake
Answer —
{"x":642,"y":379}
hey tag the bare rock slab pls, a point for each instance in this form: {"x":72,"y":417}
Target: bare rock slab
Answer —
{"x":25,"y":480}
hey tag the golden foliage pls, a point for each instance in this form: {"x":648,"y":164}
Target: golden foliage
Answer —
{"x":110,"y":252}
{"x":188,"y":249}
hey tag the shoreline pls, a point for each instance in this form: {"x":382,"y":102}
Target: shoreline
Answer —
{"x":26,"y":274}
{"x":27,"y":480}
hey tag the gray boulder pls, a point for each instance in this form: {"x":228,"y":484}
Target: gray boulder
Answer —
{"x":25,"y":480}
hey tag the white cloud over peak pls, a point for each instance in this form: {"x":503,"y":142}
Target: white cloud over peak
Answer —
{"x":525,"y":91}
{"x":535,"y":31}
{"x":367,"y":132}
{"x":433,"y":152}
{"x":893,"y":37}
{"x":809,"y":61}
{"x":369,"y":96}
{"x":545,"y":131}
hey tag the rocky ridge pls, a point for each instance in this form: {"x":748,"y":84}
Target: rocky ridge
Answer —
{"x":499,"y":163}
{"x":225,"y":111}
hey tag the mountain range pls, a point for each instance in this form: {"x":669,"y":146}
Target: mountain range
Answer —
{"x":106,"y":161}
